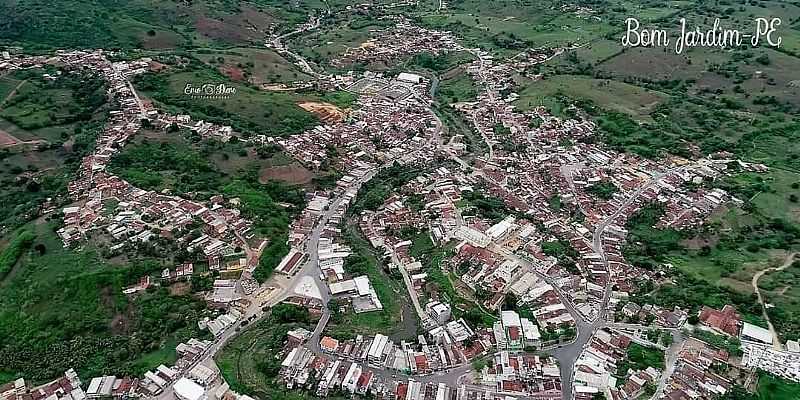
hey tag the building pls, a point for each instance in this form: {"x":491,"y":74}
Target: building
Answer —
{"x":290,"y":262}
{"x":530,"y":333}
{"x":440,"y":312}
{"x":377,"y":347}
{"x":101,"y":387}
{"x":726,"y":321}
{"x":409,"y":77}
{"x":754,"y":333}
{"x":512,"y":329}
{"x":515,"y":333}
{"x":186,"y":389}
{"x":203,"y":375}
{"x":329,"y":344}
{"x":500,"y":229}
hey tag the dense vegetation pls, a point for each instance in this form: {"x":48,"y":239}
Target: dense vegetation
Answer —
{"x":62,"y":116}
{"x":41,"y":102}
{"x":365,"y":261}
{"x":62,"y":309}
{"x":604,"y":190}
{"x":11,"y":253}
{"x":159,"y":166}
{"x":639,"y":357}
{"x":648,"y":245}
{"x":250,"y":363}
{"x":489,"y":207}
{"x":373,"y":193}
{"x":138,"y":23}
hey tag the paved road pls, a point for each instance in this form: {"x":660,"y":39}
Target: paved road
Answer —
{"x":671,"y":361}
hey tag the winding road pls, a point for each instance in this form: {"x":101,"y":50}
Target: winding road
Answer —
{"x":776,"y":341}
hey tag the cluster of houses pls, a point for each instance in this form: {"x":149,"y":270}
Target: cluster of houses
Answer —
{"x":535,"y":164}
{"x":398,"y":42}
{"x":523,"y":374}
{"x":154,"y":382}
{"x":485,"y":270}
{"x":565,"y":174}
{"x":371,"y":365}
{"x":67,"y":387}
{"x":137,"y":215}
{"x":157,"y":380}
{"x":389,"y":119}
{"x":407,"y":358}
{"x":761,"y":349}
{"x":596,"y":370}
{"x":700,"y":372}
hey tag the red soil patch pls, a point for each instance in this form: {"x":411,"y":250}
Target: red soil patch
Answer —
{"x":232,"y":72}
{"x":156,"y":66}
{"x":327,"y":113}
{"x":7,"y":139}
{"x":294,"y":174}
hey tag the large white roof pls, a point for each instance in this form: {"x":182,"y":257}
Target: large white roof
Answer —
{"x":362,"y":285}
{"x":187,"y":389}
{"x":511,"y":318}
{"x":756,"y":332}
{"x":408,"y":77}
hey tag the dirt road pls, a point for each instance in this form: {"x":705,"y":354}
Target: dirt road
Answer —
{"x":776,"y":343}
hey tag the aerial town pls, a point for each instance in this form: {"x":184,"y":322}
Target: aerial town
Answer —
{"x":575,"y":318}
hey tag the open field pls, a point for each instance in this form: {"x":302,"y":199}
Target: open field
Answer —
{"x":148,"y":24}
{"x":618,"y":96}
{"x":330,"y":41}
{"x":50,"y":126}
{"x":326,"y":112}
{"x":772,"y":388}
{"x":457,"y":86}
{"x":7,"y":85}
{"x":248,"y":110}
{"x":255,"y":65}
{"x":294,"y":174}
{"x":6,"y":139}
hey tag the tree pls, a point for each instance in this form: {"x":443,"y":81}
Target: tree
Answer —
{"x":287,"y":313}
{"x":510,"y":302}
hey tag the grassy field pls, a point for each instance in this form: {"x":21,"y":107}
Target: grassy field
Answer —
{"x":66,"y":114}
{"x":147,"y":24}
{"x":254,"y":65}
{"x":249,"y":110}
{"x":41,"y":103}
{"x":781,"y":290}
{"x":159,"y":160}
{"x":332,"y":40}
{"x":639,"y":357}
{"x":250,"y":362}
{"x":7,"y":85}
{"x":618,"y":96}
{"x":390,"y":292}
{"x":772,"y":388}
{"x":457,"y":87}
